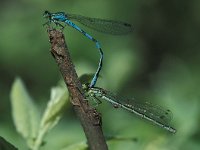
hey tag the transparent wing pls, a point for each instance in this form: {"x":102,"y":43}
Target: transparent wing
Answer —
{"x":155,"y":112}
{"x":152,"y":111}
{"x":103,"y":25}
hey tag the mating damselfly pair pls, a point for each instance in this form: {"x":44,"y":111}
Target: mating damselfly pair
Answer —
{"x":148,"y":111}
{"x":101,"y":25}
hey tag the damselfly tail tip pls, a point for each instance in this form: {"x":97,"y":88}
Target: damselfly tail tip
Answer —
{"x":131,"y":28}
{"x":172,"y":130}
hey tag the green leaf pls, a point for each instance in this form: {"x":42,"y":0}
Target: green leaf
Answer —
{"x":24,"y":112}
{"x":4,"y":145}
{"x":58,"y":100}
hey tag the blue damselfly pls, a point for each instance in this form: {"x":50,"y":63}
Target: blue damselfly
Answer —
{"x":101,"y":25}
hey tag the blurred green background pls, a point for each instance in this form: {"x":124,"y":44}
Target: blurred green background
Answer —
{"x":158,"y":62}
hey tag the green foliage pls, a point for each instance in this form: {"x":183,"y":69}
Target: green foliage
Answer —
{"x":86,"y":78}
{"x":26,"y":117}
{"x":24,"y":111}
{"x":77,"y":146}
{"x":52,"y":114}
{"x":4,"y":145}
{"x":158,"y":62}
{"x":55,"y":107}
{"x":109,"y":139}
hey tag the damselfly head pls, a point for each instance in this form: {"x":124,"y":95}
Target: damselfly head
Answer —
{"x":46,"y":14}
{"x":85,"y":86}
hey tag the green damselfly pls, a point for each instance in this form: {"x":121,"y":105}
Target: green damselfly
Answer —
{"x":153,"y":113}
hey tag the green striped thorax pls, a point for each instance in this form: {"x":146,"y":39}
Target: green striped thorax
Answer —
{"x":92,"y":92}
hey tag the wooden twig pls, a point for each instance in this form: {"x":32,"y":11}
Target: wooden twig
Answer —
{"x":89,"y":117}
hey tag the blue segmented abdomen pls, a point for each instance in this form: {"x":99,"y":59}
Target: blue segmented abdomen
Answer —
{"x":98,"y":45}
{"x":83,"y":32}
{"x":94,"y":80}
